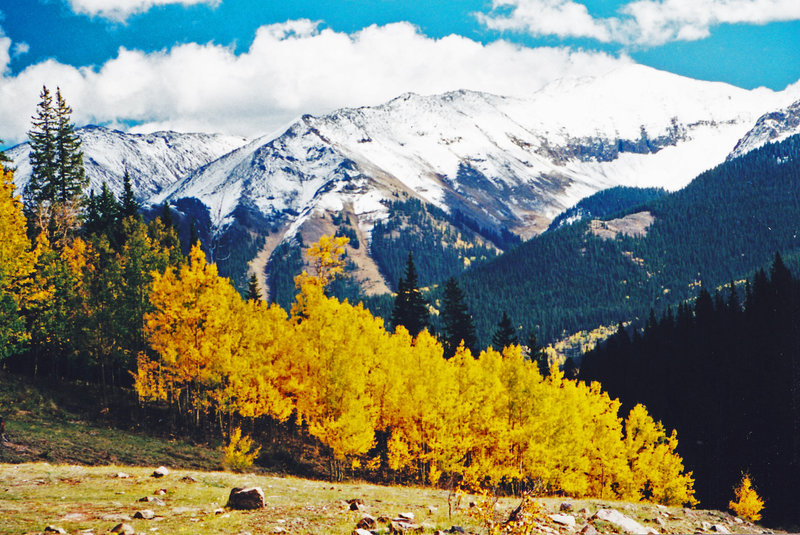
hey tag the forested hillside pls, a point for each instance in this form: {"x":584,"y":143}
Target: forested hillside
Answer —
{"x":725,"y":372}
{"x":724,"y":225}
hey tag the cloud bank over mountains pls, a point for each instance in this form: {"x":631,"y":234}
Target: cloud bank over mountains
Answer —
{"x":641,"y":22}
{"x":290,"y":69}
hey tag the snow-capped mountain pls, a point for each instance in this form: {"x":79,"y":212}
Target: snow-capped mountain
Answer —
{"x":506,"y":162}
{"x":154,"y":161}
{"x":771,"y":127}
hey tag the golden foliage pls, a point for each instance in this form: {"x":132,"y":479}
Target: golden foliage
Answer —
{"x":748,"y":504}
{"x":479,"y":421}
{"x":239,"y":454}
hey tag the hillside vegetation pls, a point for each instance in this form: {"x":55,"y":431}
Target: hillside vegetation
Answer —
{"x":727,"y":223}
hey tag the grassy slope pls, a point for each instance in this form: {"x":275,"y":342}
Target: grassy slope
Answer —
{"x":76,"y":489}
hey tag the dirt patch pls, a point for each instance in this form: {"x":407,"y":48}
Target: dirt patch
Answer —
{"x":634,"y":225}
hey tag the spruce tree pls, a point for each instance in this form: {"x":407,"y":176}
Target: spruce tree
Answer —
{"x":253,"y":291}
{"x":129,"y":206}
{"x":505,"y":335}
{"x":457,"y":320}
{"x":54,"y":194}
{"x":536,"y":354}
{"x":410,"y":309}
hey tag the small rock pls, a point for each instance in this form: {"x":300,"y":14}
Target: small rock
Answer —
{"x":55,"y":529}
{"x":161,"y":471}
{"x":278,"y":530}
{"x":122,"y":475}
{"x":720,"y":528}
{"x":406,"y":516}
{"x":115,"y":518}
{"x":74,"y":517}
{"x":565,"y":507}
{"x":189,"y":479}
{"x":404,"y":527}
{"x":564,"y":520}
{"x":589,"y":529}
{"x":356,"y":504}
{"x":145,"y":514}
{"x":219,"y":511}
{"x":367,"y":522}
{"x":153,"y":500}
{"x":456,"y":529}
{"x":160,"y":492}
{"x":360,"y":531}
{"x":620,"y":521}
{"x":246,"y":499}
{"x":738,"y":520}
{"x":432,"y":510}
{"x":124,"y":529}
{"x":706,"y":526}
{"x":660,"y":522}
{"x":584,"y":511}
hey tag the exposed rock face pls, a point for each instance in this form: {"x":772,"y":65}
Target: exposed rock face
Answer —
{"x":246,"y":499}
{"x":770,"y":128}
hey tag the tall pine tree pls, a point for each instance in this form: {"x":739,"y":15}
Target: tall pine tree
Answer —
{"x":54,"y":193}
{"x":505,"y":335}
{"x":457,"y":320}
{"x":410,"y":309}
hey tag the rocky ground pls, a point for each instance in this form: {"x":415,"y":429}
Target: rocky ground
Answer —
{"x":36,"y":497}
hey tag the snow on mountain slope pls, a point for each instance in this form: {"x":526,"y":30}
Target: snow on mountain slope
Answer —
{"x":505,"y":162}
{"x":153,"y":160}
{"x":770,"y":128}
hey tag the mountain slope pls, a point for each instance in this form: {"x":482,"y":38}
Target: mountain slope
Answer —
{"x":727,"y":222}
{"x":770,"y":128}
{"x":505,"y":164}
{"x":153,"y":160}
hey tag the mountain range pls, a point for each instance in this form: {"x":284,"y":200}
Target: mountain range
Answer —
{"x":461,"y":176}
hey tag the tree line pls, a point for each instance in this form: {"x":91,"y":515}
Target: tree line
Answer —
{"x":725,"y":371}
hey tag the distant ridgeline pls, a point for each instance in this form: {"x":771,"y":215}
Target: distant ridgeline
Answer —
{"x":725,"y":373}
{"x":724,"y":225}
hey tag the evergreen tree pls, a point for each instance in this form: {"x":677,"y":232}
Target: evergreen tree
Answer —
{"x":457,"y":320}
{"x":129,"y":206}
{"x":536,"y":354}
{"x":505,"y":335}
{"x":253,"y":291}
{"x":410,"y":309}
{"x":54,"y":193}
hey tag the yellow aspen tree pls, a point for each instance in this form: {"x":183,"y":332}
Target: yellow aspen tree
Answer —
{"x":17,"y":261}
{"x":748,"y":505}
{"x":657,"y":470}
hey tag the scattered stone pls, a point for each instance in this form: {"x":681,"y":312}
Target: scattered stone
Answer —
{"x":660,"y":522}
{"x":620,"y":521}
{"x":145,"y":514}
{"x":121,"y":475}
{"x":360,"y":531}
{"x":246,"y":499}
{"x":153,"y":500}
{"x":705,"y":526}
{"x":651,"y":531}
{"x":278,"y":530}
{"x":160,"y":492}
{"x":589,"y":529}
{"x":124,"y":529}
{"x":356,"y":504}
{"x":115,"y":518}
{"x":564,"y":520}
{"x":720,"y":528}
{"x":432,"y":510}
{"x":406,"y":516}
{"x":738,"y":520}
{"x":565,"y":507}
{"x":456,"y":529}
{"x":404,"y":527}
{"x":189,"y":479}
{"x":74,"y":517}
{"x":161,"y":471}
{"x":584,"y":511}
{"x":367,"y":522}
{"x":219,"y":511}
{"x":55,"y":529}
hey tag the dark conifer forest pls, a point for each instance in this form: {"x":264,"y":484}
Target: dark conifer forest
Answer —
{"x":725,"y":372}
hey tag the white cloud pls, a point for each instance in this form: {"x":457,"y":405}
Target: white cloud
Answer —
{"x":119,"y":10}
{"x":641,"y":22}
{"x":290,"y":69}
{"x":20,"y":49}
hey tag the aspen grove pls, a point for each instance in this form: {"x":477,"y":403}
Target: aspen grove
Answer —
{"x":388,"y":401}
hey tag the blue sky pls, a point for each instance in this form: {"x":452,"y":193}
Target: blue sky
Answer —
{"x":249,"y":66}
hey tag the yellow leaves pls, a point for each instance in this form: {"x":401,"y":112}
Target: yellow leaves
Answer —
{"x":481,"y":420}
{"x":748,"y":505}
{"x":239,"y":454}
